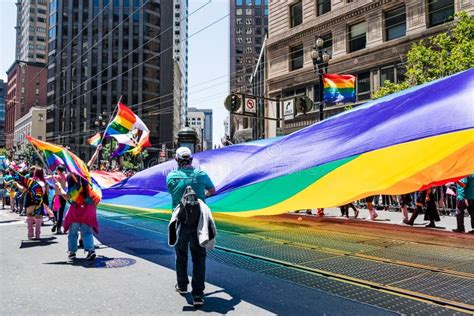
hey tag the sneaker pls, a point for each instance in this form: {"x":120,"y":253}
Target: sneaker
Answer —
{"x":53,"y":229}
{"x":180,"y":290}
{"x":71,"y":256}
{"x":198,"y":301}
{"x":90,"y":255}
{"x":458,"y":230}
{"x":471,"y":232}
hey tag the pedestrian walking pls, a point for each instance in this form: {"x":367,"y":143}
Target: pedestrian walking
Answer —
{"x":33,"y":204}
{"x":3,"y":191}
{"x":405,"y":202}
{"x":465,"y":200}
{"x":431,"y":214}
{"x":82,"y":213}
{"x":191,"y":225}
{"x":421,"y":199}
{"x":59,"y":202}
{"x":370,"y":206}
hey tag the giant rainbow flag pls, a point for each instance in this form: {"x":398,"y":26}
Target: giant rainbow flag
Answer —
{"x":401,"y":143}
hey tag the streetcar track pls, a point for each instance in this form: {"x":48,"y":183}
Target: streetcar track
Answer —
{"x":433,"y":300}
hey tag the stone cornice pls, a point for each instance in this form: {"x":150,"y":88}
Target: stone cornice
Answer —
{"x":316,"y":26}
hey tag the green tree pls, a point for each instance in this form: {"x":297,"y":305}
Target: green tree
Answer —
{"x":438,"y":56}
{"x":130,"y":161}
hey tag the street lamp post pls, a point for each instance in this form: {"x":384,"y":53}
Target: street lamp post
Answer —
{"x":320,"y":62}
{"x":100,"y":123}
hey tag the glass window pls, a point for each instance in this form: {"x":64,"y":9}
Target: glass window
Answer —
{"x":395,"y":23}
{"x":239,"y":50}
{"x":357,"y":36}
{"x":238,"y":2}
{"x":248,"y":31}
{"x":296,"y":54}
{"x":248,"y":40}
{"x":296,"y":14}
{"x":440,"y":11}
{"x":258,"y":2}
{"x":249,"y":50}
{"x":387,"y":73}
{"x":363,"y":86}
{"x":258,"y":11}
{"x":323,"y":6}
{"x":266,"y":11}
{"x":248,"y":2}
{"x":238,"y":21}
{"x":238,"y":30}
{"x":238,"y":12}
{"x":248,"y":21}
{"x":327,"y":46}
{"x":240,"y":40}
{"x":248,"y":11}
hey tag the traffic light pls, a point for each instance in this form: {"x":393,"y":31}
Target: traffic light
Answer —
{"x":303,"y":104}
{"x":232,"y":102}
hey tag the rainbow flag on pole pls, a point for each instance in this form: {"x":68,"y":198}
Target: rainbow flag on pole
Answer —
{"x":339,"y":88}
{"x":129,"y":131}
{"x":95,"y":140}
{"x":58,"y":155}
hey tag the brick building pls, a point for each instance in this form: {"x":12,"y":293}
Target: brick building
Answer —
{"x":24,"y":90}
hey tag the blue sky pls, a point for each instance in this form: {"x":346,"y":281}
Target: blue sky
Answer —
{"x":208,"y":55}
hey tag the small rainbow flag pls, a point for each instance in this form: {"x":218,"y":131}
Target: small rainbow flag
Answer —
{"x":58,"y":155}
{"x":129,"y":131}
{"x":339,"y":88}
{"x":95,"y":140}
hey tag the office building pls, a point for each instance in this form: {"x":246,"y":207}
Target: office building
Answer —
{"x":101,"y":51}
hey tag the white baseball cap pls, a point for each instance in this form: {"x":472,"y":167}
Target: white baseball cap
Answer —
{"x":183,"y":153}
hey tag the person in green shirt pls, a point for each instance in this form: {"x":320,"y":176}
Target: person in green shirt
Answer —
{"x":176,"y":182}
{"x":465,"y":200}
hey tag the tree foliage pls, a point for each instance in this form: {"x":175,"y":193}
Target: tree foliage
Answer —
{"x":438,"y":56}
{"x":129,"y":160}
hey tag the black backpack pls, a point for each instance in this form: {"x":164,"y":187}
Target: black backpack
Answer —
{"x":189,"y":211}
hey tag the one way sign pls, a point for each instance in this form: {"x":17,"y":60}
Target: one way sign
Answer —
{"x":250,"y":105}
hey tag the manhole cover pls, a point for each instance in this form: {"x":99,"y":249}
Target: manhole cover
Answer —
{"x":110,"y":263}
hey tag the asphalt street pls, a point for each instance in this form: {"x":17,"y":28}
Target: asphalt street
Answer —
{"x":133,"y":274}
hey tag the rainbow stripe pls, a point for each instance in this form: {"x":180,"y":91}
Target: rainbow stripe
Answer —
{"x":339,"y":88}
{"x":58,"y":155}
{"x":401,"y":143}
{"x":95,"y":140}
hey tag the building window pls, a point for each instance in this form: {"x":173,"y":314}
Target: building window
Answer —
{"x":238,"y":2}
{"x":248,"y":11}
{"x":238,"y":31}
{"x":238,"y":12}
{"x":357,"y":36}
{"x":323,"y":6}
{"x":296,"y":14}
{"x":387,"y":73}
{"x":327,"y":46}
{"x":440,"y":11}
{"x":248,"y":21}
{"x":248,"y":50}
{"x":240,"y":40}
{"x":363,"y":86}
{"x":296,"y":54}
{"x":395,"y":23}
{"x":238,"y":21}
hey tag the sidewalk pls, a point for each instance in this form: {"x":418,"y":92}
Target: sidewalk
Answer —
{"x":385,"y":217}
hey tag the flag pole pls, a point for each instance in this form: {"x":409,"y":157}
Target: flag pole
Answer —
{"x":41,"y":158}
{"x":103,"y":135}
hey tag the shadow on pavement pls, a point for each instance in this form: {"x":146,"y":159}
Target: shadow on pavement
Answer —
{"x":213,"y":304}
{"x":38,"y":243}
{"x":9,"y":221}
{"x":100,"y":262}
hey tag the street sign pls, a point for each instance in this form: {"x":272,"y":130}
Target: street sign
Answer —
{"x":250,"y":105}
{"x":289,"y":108}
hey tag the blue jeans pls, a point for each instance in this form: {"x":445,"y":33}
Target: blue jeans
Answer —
{"x":87,"y":237}
{"x":188,"y":236}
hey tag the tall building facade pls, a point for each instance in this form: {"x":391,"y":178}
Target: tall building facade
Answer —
{"x":32,"y":31}
{"x":3,"y":92}
{"x":26,"y":88}
{"x":201,"y":121}
{"x":248,"y":27}
{"x":104,"y":50}
{"x":180,"y":54}
{"x":365,"y":38}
